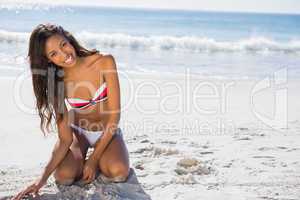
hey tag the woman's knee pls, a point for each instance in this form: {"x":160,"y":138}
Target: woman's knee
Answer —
{"x":63,"y":177}
{"x":68,"y":169}
{"x":119,"y":172}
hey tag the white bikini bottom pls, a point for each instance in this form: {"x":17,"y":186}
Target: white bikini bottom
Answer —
{"x":92,"y":136}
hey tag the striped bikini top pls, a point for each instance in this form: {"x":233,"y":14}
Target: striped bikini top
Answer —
{"x":76,"y":103}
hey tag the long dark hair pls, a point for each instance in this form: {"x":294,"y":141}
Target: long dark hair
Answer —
{"x":47,"y":78}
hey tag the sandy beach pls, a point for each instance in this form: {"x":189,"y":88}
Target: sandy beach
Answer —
{"x":189,"y":137}
{"x":209,"y":97}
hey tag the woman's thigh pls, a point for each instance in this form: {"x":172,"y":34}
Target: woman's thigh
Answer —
{"x":72,"y":165}
{"x":115,"y":157}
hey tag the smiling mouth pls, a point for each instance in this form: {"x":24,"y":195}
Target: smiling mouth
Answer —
{"x":69,"y":59}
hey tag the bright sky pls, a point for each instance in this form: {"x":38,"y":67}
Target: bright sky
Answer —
{"x":278,"y":6}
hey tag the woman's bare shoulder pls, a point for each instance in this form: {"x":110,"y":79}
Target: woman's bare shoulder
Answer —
{"x":103,"y":61}
{"x":93,"y":58}
{"x":105,"y":57}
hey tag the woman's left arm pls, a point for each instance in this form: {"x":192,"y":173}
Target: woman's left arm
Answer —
{"x":113,"y":93}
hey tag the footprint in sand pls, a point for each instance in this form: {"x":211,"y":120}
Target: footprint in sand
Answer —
{"x":156,"y":151}
{"x":191,"y":166}
{"x":162,"y":151}
{"x":187,"y":179}
{"x":143,"y":150}
{"x":187,"y":169}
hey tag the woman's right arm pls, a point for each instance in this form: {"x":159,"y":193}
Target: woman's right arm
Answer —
{"x":65,"y":139}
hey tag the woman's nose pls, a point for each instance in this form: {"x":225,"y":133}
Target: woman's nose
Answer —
{"x":63,"y":54}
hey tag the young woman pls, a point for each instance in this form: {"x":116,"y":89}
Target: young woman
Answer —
{"x":79,"y":89}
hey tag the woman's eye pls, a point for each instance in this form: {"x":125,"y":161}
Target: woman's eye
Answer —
{"x":53,"y":54}
{"x":64,"y":44}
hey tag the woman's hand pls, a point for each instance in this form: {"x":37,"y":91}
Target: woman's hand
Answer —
{"x":32,"y":189}
{"x":89,"y":170}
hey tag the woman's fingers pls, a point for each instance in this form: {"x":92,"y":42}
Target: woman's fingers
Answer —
{"x":28,"y":190}
{"x":87,"y":179}
{"x":19,"y":196}
{"x":85,"y":175}
{"x":88,"y":176}
{"x":90,"y":179}
{"x":24,"y":192}
{"x":32,"y":189}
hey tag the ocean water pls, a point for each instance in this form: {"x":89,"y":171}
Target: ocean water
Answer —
{"x":215,"y":44}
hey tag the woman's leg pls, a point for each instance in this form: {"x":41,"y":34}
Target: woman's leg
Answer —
{"x":71,"y":167}
{"x":114,"y":162}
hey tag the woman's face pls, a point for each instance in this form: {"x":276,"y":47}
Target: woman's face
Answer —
{"x":60,"y":51}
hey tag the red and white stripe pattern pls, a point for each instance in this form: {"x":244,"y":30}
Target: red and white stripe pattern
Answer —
{"x":76,"y":103}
